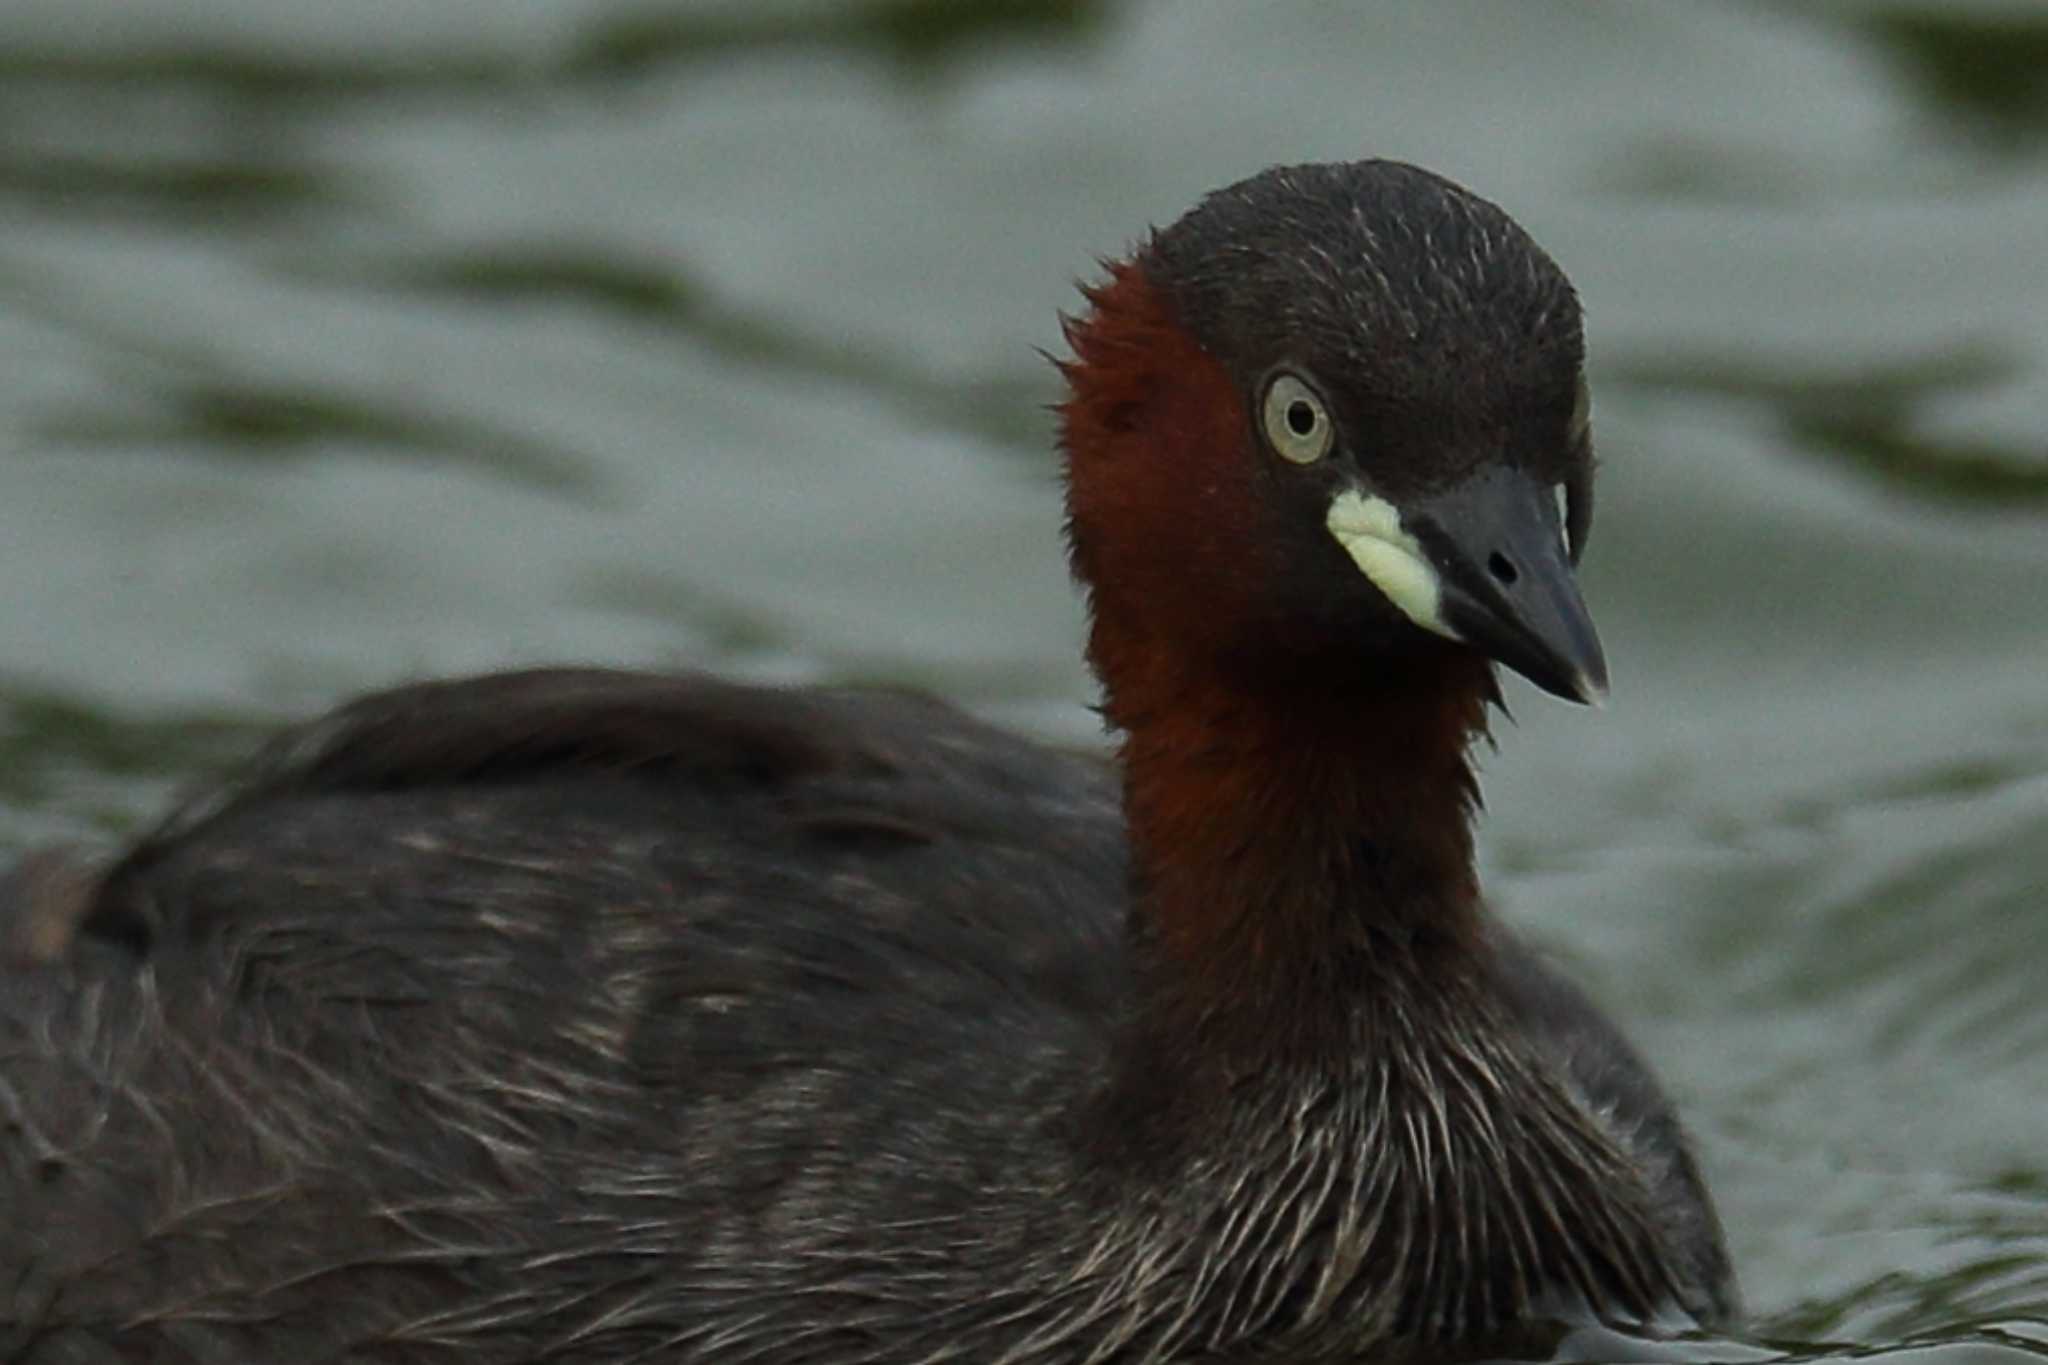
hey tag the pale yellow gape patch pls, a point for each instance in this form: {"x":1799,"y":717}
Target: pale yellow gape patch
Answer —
{"x":1369,"y":528}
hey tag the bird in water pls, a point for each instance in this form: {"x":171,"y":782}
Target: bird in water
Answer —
{"x":587,"y":1016}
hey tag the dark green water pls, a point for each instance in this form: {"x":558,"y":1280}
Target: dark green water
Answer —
{"x":346,"y":342}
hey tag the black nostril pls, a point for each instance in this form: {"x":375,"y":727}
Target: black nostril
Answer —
{"x":1502,"y":568}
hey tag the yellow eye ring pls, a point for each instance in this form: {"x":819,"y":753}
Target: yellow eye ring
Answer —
{"x":1296,"y":423}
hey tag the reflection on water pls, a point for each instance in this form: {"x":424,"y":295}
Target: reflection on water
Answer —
{"x":1864,"y":419}
{"x":219,"y":420}
{"x":659,"y":295}
{"x":1979,"y":72}
{"x":603,"y":49}
{"x":348,"y":343}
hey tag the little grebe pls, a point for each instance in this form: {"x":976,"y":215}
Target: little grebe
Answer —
{"x":591,"y":1016}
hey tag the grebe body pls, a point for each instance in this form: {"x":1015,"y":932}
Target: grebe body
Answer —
{"x":573,"y":1015}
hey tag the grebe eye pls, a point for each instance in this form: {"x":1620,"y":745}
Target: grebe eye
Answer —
{"x":1297,"y":424}
{"x":1582,"y":413}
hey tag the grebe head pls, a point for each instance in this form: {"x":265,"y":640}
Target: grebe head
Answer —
{"x":1335,"y":416}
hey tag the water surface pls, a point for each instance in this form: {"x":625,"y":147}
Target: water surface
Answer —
{"x":349,"y":342}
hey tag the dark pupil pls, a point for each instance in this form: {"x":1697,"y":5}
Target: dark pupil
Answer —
{"x":1301,"y":418}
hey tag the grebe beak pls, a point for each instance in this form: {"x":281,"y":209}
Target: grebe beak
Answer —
{"x":1508,"y":584}
{"x":1484,"y":562}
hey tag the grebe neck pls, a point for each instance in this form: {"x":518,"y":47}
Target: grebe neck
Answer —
{"x":1316,"y":1016}
{"x":1299,"y":839}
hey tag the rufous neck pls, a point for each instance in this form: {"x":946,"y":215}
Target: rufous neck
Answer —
{"x":1300,"y":837}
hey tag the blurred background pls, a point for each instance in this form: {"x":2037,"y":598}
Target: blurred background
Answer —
{"x":346,"y":341}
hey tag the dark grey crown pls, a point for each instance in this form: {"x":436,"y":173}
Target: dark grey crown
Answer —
{"x":1376,"y":274}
